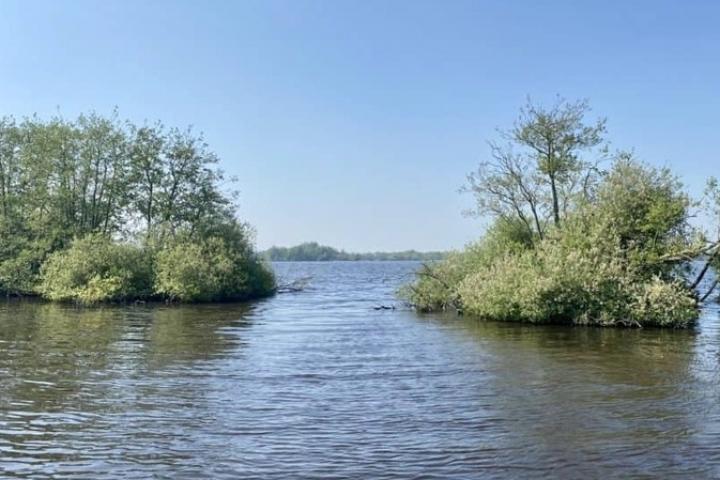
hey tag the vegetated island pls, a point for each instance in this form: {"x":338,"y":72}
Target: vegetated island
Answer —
{"x":606,"y":241}
{"x":99,"y":210}
{"x":314,"y":252}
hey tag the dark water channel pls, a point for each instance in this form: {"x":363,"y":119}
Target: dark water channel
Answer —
{"x":318,"y":384}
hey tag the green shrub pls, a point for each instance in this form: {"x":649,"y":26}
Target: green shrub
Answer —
{"x":20,"y":261}
{"x":212,"y":269}
{"x":94,"y":269}
{"x":664,"y":304}
{"x":585,"y":287}
{"x":606,"y":265}
{"x":18,"y":275}
{"x":437,"y":284}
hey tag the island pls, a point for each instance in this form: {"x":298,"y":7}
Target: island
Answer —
{"x":579,"y":235}
{"x":314,"y":252}
{"x":102,"y":210}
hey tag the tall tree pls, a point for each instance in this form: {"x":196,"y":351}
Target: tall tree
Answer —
{"x":537,"y":171}
{"x":146,"y":158}
{"x":554,"y":138}
{"x":61,"y":180}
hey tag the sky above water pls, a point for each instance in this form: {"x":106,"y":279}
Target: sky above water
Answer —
{"x":354,"y":123}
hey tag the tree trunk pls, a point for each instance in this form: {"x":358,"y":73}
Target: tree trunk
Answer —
{"x":555,"y":201}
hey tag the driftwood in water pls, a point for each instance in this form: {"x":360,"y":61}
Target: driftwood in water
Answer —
{"x":384,"y":307}
{"x":297,"y":285}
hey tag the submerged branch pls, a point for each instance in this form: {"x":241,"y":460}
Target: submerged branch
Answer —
{"x":705,"y":268}
{"x":710,"y":291}
{"x":297,"y":285}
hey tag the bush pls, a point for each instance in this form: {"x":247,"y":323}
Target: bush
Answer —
{"x":221,"y":266}
{"x":664,"y":304}
{"x":18,"y":275}
{"x":94,"y":269}
{"x":583,"y":287}
{"x":212,"y":269}
{"x":20,"y":261}
{"x":437,"y":284}
{"x":606,"y":265}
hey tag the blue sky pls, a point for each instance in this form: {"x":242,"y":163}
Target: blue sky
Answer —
{"x":354,"y":123}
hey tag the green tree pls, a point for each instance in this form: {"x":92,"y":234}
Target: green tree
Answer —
{"x":101,"y":183}
{"x":621,"y":251}
{"x":537,"y":173}
{"x":94,"y":269}
{"x":220,"y":267}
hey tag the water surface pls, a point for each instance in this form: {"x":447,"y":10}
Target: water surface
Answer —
{"x":319,"y":384}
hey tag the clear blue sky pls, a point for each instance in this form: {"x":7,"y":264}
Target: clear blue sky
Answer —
{"x":353,"y":123}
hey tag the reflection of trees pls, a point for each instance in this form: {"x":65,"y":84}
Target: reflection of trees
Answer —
{"x":639,"y":356}
{"x":53,"y":355}
{"x":192,"y":332}
{"x":573,"y":396}
{"x":50,"y":349}
{"x":69,"y":375}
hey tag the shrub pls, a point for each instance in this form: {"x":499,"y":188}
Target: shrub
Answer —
{"x":18,"y":275}
{"x":606,"y":265}
{"x":585,"y":287}
{"x":20,"y":261}
{"x":437,"y":284}
{"x":212,"y":269}
{"x":663,"y":304}
{"x":94,"y":269}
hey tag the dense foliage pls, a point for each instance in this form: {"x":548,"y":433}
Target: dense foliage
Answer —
{"x":95,"y":269}
{"x":89,"y":208}
{"x":210,"y":270}
{"x":314,"y":252}
{"x":619,"y":250}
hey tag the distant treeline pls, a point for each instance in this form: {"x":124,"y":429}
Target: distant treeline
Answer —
{"x":314,"y":252}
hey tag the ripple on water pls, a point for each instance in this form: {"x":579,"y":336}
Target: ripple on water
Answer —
{"x":318,"y":384}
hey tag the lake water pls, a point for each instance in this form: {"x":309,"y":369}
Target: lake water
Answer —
{"x":319,"y":384}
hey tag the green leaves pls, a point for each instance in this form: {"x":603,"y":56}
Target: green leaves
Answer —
{"x":539,"y":176}
{"x":613,"y":261}
{"x":93,"y":200}
{"x":211,"y":269}
{"x":570,"y":243}
{"x":94,"y":269}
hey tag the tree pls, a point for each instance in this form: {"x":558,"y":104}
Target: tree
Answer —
{"x":146,"y":161}
{"x":507,"y":188}
{"x":98,"y":183}
{"x":712,"y":248}
{"x":568,"y":243}
{"x":537,"y":173}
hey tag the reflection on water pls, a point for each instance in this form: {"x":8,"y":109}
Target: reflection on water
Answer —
{"x":83,"y":386}
{"x":599,"y":403}
{"x":318,"y":384}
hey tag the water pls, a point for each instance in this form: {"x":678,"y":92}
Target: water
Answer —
{"x":318,"y":384}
